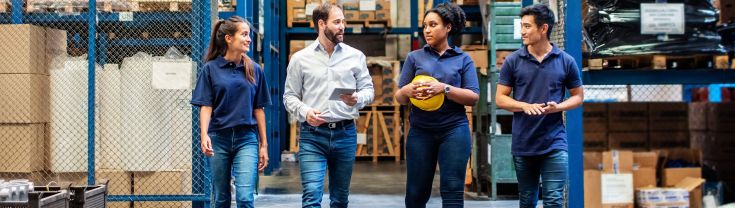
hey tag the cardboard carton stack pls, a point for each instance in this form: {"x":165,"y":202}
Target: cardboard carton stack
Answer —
{"x":712,"y":127}
{"x":384,"y":74}
{"x":628,"y":126}
{"x":24,"y":95}
{"x":595,"y":126}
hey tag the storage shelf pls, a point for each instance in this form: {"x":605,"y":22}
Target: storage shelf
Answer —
{"x":653,"y":77}
{"x":153,"y":42}
{"x":352,"y":31}
{"x":139,"y":18}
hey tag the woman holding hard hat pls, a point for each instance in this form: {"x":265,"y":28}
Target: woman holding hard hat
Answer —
{"x":439,"y":80}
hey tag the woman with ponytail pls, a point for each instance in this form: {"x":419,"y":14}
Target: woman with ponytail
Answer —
{"x":231,"y":92}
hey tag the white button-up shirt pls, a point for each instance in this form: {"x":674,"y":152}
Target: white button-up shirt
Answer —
{"x":312,"y":76}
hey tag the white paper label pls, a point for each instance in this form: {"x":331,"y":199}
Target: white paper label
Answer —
{"x":662,"y":19}
{"x":172,"y":75}
{"x":517,"y":29}
{"x":125,"y":16}
{"x":310,"y":8}
{"x":367,"y":5}
{"x":361,"y":138}
{"x":617,"y":188}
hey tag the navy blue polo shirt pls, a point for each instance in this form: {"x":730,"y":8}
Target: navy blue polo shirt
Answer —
{"x":535,"y":82}
{"x":455,"y":68}
{"x":223,"y":86}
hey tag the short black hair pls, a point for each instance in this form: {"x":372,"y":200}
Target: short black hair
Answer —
{"x":542,"y":14}
{"x":450,"y":14}
{"x":322,"y":13}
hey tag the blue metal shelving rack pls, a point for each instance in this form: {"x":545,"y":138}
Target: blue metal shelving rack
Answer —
{"x":97,"y":48}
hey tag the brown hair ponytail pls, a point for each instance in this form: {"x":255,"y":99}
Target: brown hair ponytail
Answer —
{"x":218,"y":45}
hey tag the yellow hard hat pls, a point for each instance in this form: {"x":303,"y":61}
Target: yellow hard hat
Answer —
{"x":431,"y":104}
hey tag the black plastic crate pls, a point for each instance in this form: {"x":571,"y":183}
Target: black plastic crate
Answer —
{"x":42,"y":199}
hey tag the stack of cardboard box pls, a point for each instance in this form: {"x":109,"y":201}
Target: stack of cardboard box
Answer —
{"x":612,"y":176}
{"x":628,"y":126}
{"x":24,"y":96}
{"x":595,"y":126}
{"x":385,"y":80}
{"x":668,"y":125}
{"x":479,"y":55}
{"x":713,"y":130}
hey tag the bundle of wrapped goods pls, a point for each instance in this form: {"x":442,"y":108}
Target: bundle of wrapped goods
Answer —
{"x":68,"y":126}
{"x":110,"y":134}
{"x":613,"y":28}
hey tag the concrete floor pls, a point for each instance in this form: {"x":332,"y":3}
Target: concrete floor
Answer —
{"x":380,"y":184}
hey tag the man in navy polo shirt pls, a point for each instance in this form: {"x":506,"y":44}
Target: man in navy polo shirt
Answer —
{"x":538,"y":76}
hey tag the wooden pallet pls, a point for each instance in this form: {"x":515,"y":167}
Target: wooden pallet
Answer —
{"x":384,"y":138}
{"x":369,"y":23}
{"x":658,"y":62}
{"x":300,"y":23}
{"x":161,"y":5}
{"x":57,"y":6}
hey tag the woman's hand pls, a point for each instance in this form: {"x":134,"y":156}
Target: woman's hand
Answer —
{"x":262,"y":158}
{"x":207,"y":145}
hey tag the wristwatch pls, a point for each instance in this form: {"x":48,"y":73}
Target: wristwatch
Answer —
{"x":446,"y":89}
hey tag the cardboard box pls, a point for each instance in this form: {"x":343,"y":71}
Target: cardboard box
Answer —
{"x":644,"y":169}
{"x":299,"y":14}
{"x":290,"y":4}
{"x":352,"y":5}
{"x":500,"y":58}
{"x":668,"y":116}
{"x":698,"y":116}
{"x":367,"y":15}
{"x":75,"y":178}
{"x":595,"y":141}
{"x":26,"y":154}
{"x":24,"y":49}
{"x":25,"y":98}
{"x":719,"y":146}
{"x":382,"y":15}
{"x":592,"y":188}
{"x":721,"y":117}
{"x":37,"y":177}
{"x":478,"y":53}
{"x":351,"y":14}
{"x":628,"y":140}
{"x":698,"y":139}
{"x":120,"y":182}
{"x":672,"y":176}
{"x":164,"y":182}
{"x":617,"y":161}
{"x":679,"y":195}
{"x":625,"y":117}
{"x":592,"y":160}
{"x":383,"y":5}
{"x":668,"y":139}
{"x":595,"y":117}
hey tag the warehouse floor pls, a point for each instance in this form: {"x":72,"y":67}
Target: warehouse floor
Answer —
{"x":373,"y":185}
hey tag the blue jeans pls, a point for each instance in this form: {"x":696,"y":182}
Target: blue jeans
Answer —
{"x":552,"y":168}
{"x":235,"y":153}
{"x":426,"y":147}
{"x":322,"y":148}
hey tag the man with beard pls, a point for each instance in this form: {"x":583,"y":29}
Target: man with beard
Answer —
{"x":328,"y":136}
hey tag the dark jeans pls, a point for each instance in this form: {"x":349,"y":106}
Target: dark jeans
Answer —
{"x":235,"y":153}
{"x":323,"y":148}
{"x":552,"y":168}
{"x":426,"y":147}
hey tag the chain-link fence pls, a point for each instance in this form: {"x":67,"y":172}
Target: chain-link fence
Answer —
{"x":146,"y":55}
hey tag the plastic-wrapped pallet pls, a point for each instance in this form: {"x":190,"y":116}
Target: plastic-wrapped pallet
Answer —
{"x":145,"y":149}
{"x":111,"y":137}
{"x":158,"y":122}
{"x":68,"y":126}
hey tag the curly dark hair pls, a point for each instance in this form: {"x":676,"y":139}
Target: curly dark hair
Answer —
{"x":450,"y":14}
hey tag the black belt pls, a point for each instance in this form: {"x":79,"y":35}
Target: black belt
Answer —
{"x":334,"y":125}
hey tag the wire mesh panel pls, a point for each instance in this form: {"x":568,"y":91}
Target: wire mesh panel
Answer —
{"x":145,"y":61}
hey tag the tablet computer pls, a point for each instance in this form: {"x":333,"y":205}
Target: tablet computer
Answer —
{"x":340,"y":91}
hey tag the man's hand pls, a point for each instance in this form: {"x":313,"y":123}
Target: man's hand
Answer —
{"x":350,"y":100}
{"x":551,"y":107}
{"x":312,"y":117}
{"x":534,"y":109}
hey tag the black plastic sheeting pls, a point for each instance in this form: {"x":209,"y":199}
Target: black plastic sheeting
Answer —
{"x":612,"y":28}
{"x":727,"y":32}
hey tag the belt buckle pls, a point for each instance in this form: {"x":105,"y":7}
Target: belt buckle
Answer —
{"x":332,"y":125}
